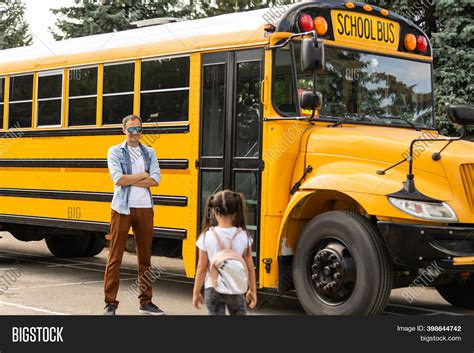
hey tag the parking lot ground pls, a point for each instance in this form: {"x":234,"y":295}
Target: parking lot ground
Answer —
{"x":53,"y":286}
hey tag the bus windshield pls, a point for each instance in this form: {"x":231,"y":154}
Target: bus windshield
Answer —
{"x":358,"y":87}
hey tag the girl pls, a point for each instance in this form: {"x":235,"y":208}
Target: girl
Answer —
{"x":228,"y":209}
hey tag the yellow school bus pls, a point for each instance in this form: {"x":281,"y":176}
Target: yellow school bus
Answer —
{"x":320,"y":113}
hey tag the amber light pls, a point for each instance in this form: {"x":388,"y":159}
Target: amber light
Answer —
{"x":321,"y":25}
{"x":367,"y":8}
{"x":384,"y":12}
{"x":350,"y":5}
{"x":421,"y":44}
{"x":410,"y":42}
{"x":305,"y":22}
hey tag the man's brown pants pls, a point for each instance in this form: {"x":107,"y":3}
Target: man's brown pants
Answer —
{"x":141,"y":221}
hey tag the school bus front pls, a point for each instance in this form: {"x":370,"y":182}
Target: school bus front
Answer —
{"x":369,"y":196}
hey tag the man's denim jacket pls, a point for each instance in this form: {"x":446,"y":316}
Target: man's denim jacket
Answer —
{"x":120,"y":163}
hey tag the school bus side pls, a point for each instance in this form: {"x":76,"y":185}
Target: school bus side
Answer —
{"x":54,"y":183}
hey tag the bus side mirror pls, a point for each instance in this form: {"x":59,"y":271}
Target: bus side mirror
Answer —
{"x":310,"y":100}
{"x":461,"y":114}
{"x":312,"y":55}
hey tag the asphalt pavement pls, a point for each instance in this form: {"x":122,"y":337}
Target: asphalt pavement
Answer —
{"x":41,"y":284}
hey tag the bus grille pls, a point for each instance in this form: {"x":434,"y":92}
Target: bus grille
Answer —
{"x":467,"y":176}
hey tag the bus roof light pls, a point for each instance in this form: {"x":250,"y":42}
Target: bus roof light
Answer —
{"x":384,"y":12}
{"x":305,"y":22}
{"x":410,"y":42}
{"x":367,"y":8}
{"x":321,"y":25}
{"x":350,"y":5}
{"x":421,"y":44}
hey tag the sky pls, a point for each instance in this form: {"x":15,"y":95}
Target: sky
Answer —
{"x":40,"y":18}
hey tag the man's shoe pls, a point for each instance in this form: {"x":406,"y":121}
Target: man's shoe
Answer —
{"x":150,"y":309}
{"x":110,"y":310}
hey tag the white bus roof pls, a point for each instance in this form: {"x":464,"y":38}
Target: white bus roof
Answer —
{"x":187,"y":33}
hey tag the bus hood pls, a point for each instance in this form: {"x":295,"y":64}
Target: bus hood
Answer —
{"x":388,"y":145}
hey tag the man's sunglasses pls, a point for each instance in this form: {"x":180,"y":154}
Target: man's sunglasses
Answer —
{"x":136,"y":129}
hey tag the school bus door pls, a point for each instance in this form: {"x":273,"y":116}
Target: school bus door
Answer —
{"x":230,"y":145}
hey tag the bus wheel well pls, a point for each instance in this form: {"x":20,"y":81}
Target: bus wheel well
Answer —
{"x":319,"y":202}
{"x":25,"y":232}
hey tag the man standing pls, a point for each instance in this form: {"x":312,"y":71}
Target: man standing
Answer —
{"x":134,"y":169}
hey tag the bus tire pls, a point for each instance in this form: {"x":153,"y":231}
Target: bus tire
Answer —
{"x":458,"y":293}
{"x":67,"y":245}
{"x":341,"y":266}
{"x":95,"y":246}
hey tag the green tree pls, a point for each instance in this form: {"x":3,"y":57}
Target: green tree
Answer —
{"x":96,"y":17}
{"x":14,"y":30}
{"x":206,"y":8}
{"x":453,"y":57}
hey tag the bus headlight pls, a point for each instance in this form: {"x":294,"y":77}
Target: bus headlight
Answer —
{"x":433,"y":211}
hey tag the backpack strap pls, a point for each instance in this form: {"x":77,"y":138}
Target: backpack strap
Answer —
{"x":218,"y":238}
{"x":221,"y":242}
{"x":237,"y":232}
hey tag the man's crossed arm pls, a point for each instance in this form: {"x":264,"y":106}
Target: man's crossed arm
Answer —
{"x":142,"y":180}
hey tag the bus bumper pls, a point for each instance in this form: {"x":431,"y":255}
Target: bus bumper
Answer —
{"x":416,"y":246}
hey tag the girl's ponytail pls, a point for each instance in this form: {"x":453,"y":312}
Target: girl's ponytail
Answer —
{"x":241,"y":210}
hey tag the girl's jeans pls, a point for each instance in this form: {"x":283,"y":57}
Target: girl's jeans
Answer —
{"x":216,"y":303}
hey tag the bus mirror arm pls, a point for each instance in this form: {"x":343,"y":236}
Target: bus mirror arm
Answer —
{"x":461,"y":115}
{"x":290,"y":38}
{"x":297,"y":185}
{"x":409,"y":185}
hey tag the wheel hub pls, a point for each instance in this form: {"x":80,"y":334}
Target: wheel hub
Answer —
{"x":332,"y":272}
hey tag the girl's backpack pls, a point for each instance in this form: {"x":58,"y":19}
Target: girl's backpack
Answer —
{"x":228,"y":270}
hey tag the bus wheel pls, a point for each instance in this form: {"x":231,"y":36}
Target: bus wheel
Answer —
{"x":458,"y":293}
{"x":341,"y":266}
{"x":95,"y":246}
{"x":67,"y":245}
{"x":130,"y":244}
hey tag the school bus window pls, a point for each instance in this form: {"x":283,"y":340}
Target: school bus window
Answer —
{"x":82,"y":96}
{"x":50,"y":91}
{"x":375,"y":88}
{"x":246,"y":182}
{"x":304,"y":79}
{"x":212,"y":181}
{"x":21,"y":101}
{"x":213,"y":110}
{"x":247,"y":109}
{"x":287,"y":91}
{"x":283,"y":89}
{"x":118,"y":92}
{"x":164,"y":89}
{"x":361,"y":87}
{"x":2,"y":99}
